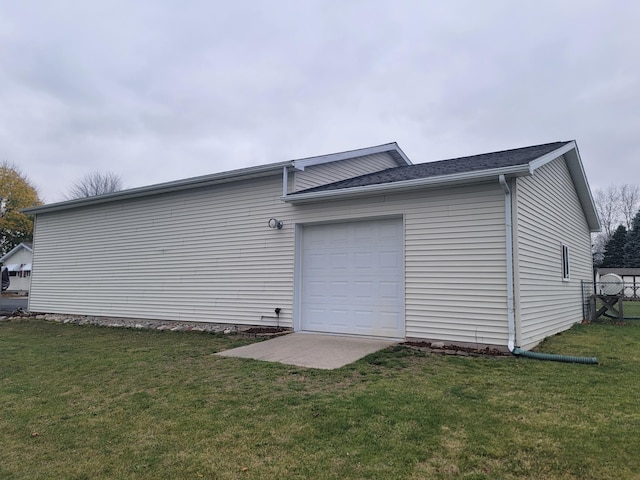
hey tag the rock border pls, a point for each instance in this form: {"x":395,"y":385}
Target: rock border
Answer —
{"x":160,"y":325}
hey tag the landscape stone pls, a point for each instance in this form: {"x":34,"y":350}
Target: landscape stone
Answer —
{"x":162,"y":325}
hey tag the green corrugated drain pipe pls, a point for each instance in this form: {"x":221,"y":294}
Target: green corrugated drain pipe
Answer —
{"x":555,"y":358}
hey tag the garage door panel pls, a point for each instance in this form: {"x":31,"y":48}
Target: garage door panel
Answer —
{"x":315,"y":261}
{"x":338,"y":291}
{"x":353,"y":278}
{"x":315,"y":292}
{"x":339,"y":317}
{"x":390,"y":321}
{"x":315,"y":317}
{"x":363,"y":260}
{"x":363,"y":232}
{"x":339,"y":261}
{"x":389,"y":259}
{"x":389,"y":232}
{"x":389,"y":290}
{"x":362,"y":290}
{"x":338,"y":236}
{"x":362,"y":320}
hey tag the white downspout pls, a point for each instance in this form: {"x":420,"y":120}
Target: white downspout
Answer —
{"x":509,"y":251}
{"x":285,"y":181}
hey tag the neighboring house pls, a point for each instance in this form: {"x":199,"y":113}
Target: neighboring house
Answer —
{"x":630,"y":277}
{"x":485,"y":250}
{"x":18,"y":262}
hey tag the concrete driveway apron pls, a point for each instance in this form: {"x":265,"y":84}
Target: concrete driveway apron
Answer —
{"x":311,"y":350}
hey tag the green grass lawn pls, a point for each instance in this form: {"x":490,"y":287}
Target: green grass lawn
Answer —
{"x":631,"y":309}
{"x":98,"y":403}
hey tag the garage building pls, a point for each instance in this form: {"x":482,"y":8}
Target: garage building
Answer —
{"x":490,"y":249}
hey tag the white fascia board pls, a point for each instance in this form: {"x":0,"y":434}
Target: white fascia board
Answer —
{"x":579,"y":178}
{"x":576,"y":170}
{"x":398,"y":151}
{"x":302,"y":163}
{"x":175,"y":186}
{"x":442,"y":180}
{"x":549,"y":157}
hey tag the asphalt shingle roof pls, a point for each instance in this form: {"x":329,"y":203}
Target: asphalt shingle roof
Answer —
{"x":485,"y":161}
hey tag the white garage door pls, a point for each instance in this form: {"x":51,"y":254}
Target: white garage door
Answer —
{"x":353,"y":278}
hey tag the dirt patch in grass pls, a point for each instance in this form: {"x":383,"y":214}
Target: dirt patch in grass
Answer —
{"x":450,"y":349}
{"x":264,"y":332}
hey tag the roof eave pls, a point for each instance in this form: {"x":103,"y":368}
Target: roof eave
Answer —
{"x":463,"y":178}
{"x":14,"y":250}
{"x":543,"y":160}
{"x":391,"y":148}
{"x":580,"y":182}
{"x":576,"y":170}
{"x":174,"y":186}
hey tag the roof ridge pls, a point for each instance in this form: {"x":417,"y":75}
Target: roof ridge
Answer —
{"x":559,"y":143}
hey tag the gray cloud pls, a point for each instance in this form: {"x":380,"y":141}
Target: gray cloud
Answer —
{"x":157,"y":91}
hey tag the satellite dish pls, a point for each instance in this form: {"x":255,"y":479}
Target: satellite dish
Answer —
{"x":611,"y":284}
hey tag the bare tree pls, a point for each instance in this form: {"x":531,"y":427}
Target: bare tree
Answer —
{"x":616,"y":205}
{"x":96,"y":183}
{"x":608,"y":206}
{"x":629,"y":203}
{"x":598,"y":247}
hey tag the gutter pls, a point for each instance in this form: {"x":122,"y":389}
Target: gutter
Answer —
{"x":509,"y":251}
{"x":174,"y":186}
{"x":404,"y":185}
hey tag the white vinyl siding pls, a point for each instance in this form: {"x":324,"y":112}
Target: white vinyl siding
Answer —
{"x":323,"y":174}
{"x":208,"y":255}
{"x":455,"y":264}
{"x":549,"y":215}
{"x":201,"y":255}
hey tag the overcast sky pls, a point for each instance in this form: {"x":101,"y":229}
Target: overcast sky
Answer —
{"x":163,"y":90}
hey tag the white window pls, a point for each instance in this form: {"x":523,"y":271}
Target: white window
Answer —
{"x":565,"y":262}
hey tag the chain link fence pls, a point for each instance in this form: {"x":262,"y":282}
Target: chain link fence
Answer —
{"x":595,"y":299}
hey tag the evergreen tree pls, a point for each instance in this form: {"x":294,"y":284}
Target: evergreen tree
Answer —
{"x":614,"y":250}
{"x":632,"y":246}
